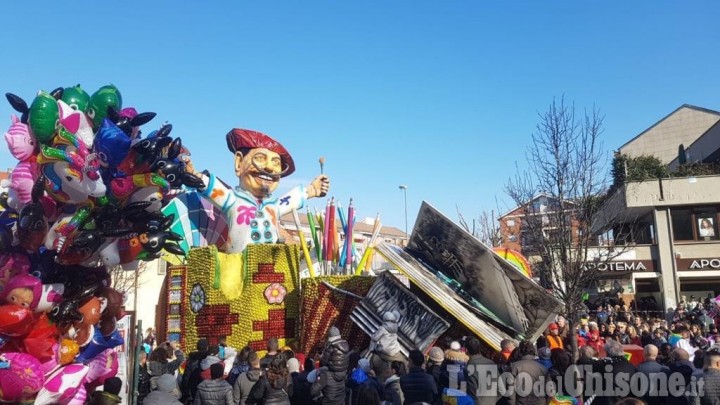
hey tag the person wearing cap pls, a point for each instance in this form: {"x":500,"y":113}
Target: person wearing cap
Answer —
{"x":454,"y":366}
{"x":191,"y":376}
{"x":436,"y":357}
{"x":554,"y":340}
{"x":361,"y":376}
{"x":251,"y":209}
{"x":329,"y":381}
{"x":384,"y":342}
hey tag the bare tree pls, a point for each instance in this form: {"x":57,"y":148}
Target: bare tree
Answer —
{"x":484,"y":227}
{"x":125,"y":280}
{"x":561,"y":193}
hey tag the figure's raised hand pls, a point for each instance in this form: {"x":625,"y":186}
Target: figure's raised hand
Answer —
{"x":319,"y":187}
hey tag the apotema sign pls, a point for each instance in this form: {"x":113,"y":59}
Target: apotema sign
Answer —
{"x":621,"y":266}
{"x":699,"y":264}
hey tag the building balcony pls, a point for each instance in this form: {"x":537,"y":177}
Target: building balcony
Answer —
{"x":673,"y":191}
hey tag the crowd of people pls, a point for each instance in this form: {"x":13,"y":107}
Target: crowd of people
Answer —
{"x":681,"y":349}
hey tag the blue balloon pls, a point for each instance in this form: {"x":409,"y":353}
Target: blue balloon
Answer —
{"x":112,"y":145}
{"x":98,"y":344}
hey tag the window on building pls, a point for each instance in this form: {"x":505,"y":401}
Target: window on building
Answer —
{"x":699,"y":223}
{"x":641,"y":232}
{"x":510,"y":222}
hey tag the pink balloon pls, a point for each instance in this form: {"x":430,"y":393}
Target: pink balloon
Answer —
{"x":50,"y":364}
{"x":24,"y":373}
{"x":20,"y":141}
{"x":22,"y":180}
{"x":102,"y":367}
{"x":62,"y":385}
{"x":80,"y":397}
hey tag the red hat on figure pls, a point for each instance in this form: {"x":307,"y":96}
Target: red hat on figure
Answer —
{"x":554,"y":326}
{"x":244,"y":138}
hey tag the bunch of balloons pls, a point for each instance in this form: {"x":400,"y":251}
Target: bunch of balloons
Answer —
{"x":84,"y":197}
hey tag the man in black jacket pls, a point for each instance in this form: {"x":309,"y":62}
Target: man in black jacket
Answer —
{"x":193,"y":364}
{"x":417,"y":385}
{"x":330,"y":383}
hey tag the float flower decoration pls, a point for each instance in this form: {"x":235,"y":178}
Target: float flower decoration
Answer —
{"x":275,"y":293}
{"x":197,"y":298}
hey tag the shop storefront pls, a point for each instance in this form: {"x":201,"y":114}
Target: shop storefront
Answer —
{"x":699,"y":278}
{"x":639,"y":280}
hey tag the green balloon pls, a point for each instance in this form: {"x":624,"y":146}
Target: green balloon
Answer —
{"x":106,"y":96}
{"x":43,"y":117}
{"x":76,"y":98}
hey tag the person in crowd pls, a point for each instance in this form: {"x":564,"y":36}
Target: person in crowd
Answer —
{"x":620,"y":368}
{"x":275,"y":385}
{"x":247,"y":379}
{"x":330,"y":381}
{"x":166,"y":393}
{"x":561,"y":362}
{"x":191,"y":376}
{"x":658,"y":338}
{"x":150,"y":338}
{"x":650,"y":364}
{"x":632,"y":336}
{"x":532,"y":373}
{"x":602,"y":315}
{"x":361,"y":376}
{"x":110,"y":395}
{"x":685,"y":342}
{"x":477,"y":373}
{"x":436,"y":357}
{"x":664,"y":356}
{"x":301,"y":385}
{"x":544,"y":357}
{"x":554,"y":340}
{"x":240,"y":365}
{"x":215,"y":391}
{"x":453,"y":367}
{"x":163,"y":360}
{"x":417,"y":385}
{"x":384,"y":342}
{"x":679,"y":369}
{"x":507,"y":346}
{"x":144,"y":387}
{"x":596,"y":342}
{"x":392,"y":392}
{"x":272,"y":350}
{"x":711,"y":379}
{"x":369,"y":396}
{"x":209,"y":361}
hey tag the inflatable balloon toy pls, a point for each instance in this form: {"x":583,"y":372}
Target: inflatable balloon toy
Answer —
{"x":173,"y":170}
{"x":15,"y":320}
{"x":23,"y":147}
{"x":65,"y":313}
{"x":129,"y":121}
{"x":153,"y":237}
{"x":102,"y":367}
{"x":19,"y":105}
{"x":41,"y":341}
{"x":105,"y":97}
{"x":32,"y":226}
{"x":62,"y":385}
{"x":11,"y":265}
{"x":29,"y":292}
{"x":21,"y":379}
{"x":78,"y":100}
{"x":70,"y":178}
{"x":144,"y":152}
{"x":111,"y":145}
{"x":146,"y":188}
{"x":99,"y":344}
{"x":44,"y":117}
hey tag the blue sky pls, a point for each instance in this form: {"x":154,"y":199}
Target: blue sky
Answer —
{"x":439,"y":95}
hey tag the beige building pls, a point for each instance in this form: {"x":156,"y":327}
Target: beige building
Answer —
{"x":675,"y":250}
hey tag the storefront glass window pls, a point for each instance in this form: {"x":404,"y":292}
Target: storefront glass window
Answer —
{"x":682,"y":224}
{"x":695,"y":224}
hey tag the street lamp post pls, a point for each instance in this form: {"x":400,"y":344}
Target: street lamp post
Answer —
{"x":404,"y":189}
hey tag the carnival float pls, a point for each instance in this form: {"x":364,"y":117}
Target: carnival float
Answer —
{"x":91,"y":192}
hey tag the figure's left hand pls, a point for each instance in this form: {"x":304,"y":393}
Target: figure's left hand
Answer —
{"x":319,"y":187}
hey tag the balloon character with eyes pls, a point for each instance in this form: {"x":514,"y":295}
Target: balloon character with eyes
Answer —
{"x":252,"y":211}
{"x":151,"y":239}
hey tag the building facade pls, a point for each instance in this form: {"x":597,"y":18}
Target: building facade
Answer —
{"x":673,"y":251}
